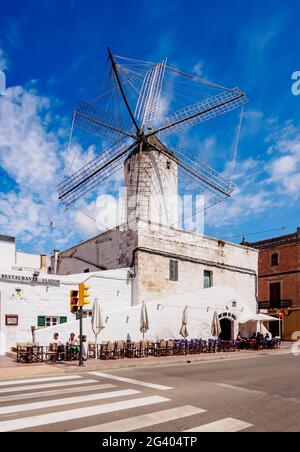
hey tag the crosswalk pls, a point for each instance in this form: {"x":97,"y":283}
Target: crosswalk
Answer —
{"x":100,"y":402}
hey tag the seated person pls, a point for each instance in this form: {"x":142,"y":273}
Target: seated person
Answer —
{"x":73,"y":348}
{"x":57,"y":345}
{"x":72,"y":341}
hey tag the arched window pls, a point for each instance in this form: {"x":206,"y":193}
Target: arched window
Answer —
{"x":275,"y":260}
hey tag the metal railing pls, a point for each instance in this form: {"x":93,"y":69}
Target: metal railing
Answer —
{"x":275,"y":304}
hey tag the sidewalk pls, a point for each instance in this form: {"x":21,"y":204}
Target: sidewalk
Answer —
{"x":10,"y":369}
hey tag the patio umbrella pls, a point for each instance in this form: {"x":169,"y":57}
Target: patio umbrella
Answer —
{"x":259,"y":318}
{"x":216,"y":326}
{"x":184,"y":330}
{"x":97,"y":321}
{"x":144,"y":325}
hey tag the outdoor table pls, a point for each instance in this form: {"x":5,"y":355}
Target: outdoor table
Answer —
{"x":30,"y":354}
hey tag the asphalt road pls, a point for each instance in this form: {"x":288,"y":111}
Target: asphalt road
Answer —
{"x":246,"y":395}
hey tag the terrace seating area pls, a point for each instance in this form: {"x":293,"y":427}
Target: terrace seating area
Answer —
{"x":29,"y":353}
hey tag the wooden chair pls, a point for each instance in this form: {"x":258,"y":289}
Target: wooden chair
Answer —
{"x":92,"y":351}
{"x":72,"y":353}
{"x":53,"y":354}
{"x":119,"y":351}
{"x":144,"y":349}
{"x":22,"y":352}
{"x":108,"y":351}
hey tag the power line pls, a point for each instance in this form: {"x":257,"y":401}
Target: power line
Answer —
{"x":256,"y":233}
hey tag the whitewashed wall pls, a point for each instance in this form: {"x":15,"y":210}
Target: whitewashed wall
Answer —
{"x":7,"y":254}
{"x":112,"y":288}
{"x":165,"y":316}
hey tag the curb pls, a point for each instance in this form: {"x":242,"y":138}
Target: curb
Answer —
{"x":41,"y":370}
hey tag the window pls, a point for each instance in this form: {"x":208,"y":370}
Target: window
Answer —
{"x":128,"y":168}
{"x":87,"y":270}
{"x":173,"y":270}
{"x":208,"y":279}
{"x":275,"y":292}
{"x":52,"y":321}
{"x":275,"y":260}
{"x":168,"y":165}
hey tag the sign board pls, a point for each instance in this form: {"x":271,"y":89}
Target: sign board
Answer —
{"x":29,"y":279}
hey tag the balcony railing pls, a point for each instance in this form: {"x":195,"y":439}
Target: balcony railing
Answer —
{"x":275,"y":304}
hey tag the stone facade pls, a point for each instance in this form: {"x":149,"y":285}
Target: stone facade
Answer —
{"x":108,"y":251}
{"x":279,"y":280}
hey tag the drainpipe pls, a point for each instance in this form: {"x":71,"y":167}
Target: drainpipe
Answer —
{"x":43,"y":262}
{"x":56,"y":254}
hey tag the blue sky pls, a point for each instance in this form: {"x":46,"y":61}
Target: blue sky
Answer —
{"x":53,"y":52}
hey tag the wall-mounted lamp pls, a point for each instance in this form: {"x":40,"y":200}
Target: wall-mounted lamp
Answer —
{"x":127,"y":319}
{"x":208,"y":309}
{"x":158,"y":307}
{"x":107,"y":319}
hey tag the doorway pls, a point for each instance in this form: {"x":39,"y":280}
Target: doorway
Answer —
{"x":226,"y":327}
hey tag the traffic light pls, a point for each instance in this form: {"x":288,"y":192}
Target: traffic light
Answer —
{"x":74,"y":301}
{"x":84,"y":295}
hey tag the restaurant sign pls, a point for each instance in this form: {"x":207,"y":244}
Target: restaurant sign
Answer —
{"x":29,"y":279}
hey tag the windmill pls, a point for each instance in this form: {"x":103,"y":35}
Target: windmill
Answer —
{"x":136,"y":119}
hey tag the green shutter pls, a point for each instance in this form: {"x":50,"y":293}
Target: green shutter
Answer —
{"x":173,"y":270}
{"x":77,"y":316}
{"x":63,"y":320}
{"x":41,"y":321}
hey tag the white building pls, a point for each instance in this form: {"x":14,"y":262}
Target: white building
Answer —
{"x":152,"y":262}
{"x":11,"y":259}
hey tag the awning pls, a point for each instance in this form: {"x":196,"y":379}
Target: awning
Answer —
{"x":259,"y":318}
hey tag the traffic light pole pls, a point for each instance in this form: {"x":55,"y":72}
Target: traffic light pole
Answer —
{"x":80,"y":337}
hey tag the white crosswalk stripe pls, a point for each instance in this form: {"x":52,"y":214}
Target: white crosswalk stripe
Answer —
{"x":43,"y":386}
{"x":79,"y":413}
{"x":228,"y":425}
{"x":67,"y":401}
{"x":57,"y":392}
{"x":131,"y":381}
{"x":39,"y":380}
{"x":147,"y":420}
{"x":49,"y":403}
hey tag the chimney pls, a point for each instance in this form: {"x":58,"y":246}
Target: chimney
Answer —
{"x":43,"y":263}
{"x":56,"y":254}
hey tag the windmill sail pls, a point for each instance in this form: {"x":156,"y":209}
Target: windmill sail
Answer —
{"x":149,"y":100}
{"x":203,"y":111}
{"x":93,"y":173}
{"x":155,"y":90}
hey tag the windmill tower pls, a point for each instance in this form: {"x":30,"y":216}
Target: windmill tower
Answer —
{"x":154,"y":171}
{"x":151,"y":183}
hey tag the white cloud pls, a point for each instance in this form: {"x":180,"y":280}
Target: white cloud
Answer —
{"x":199,"y":69}
{"x":284,"y":168}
